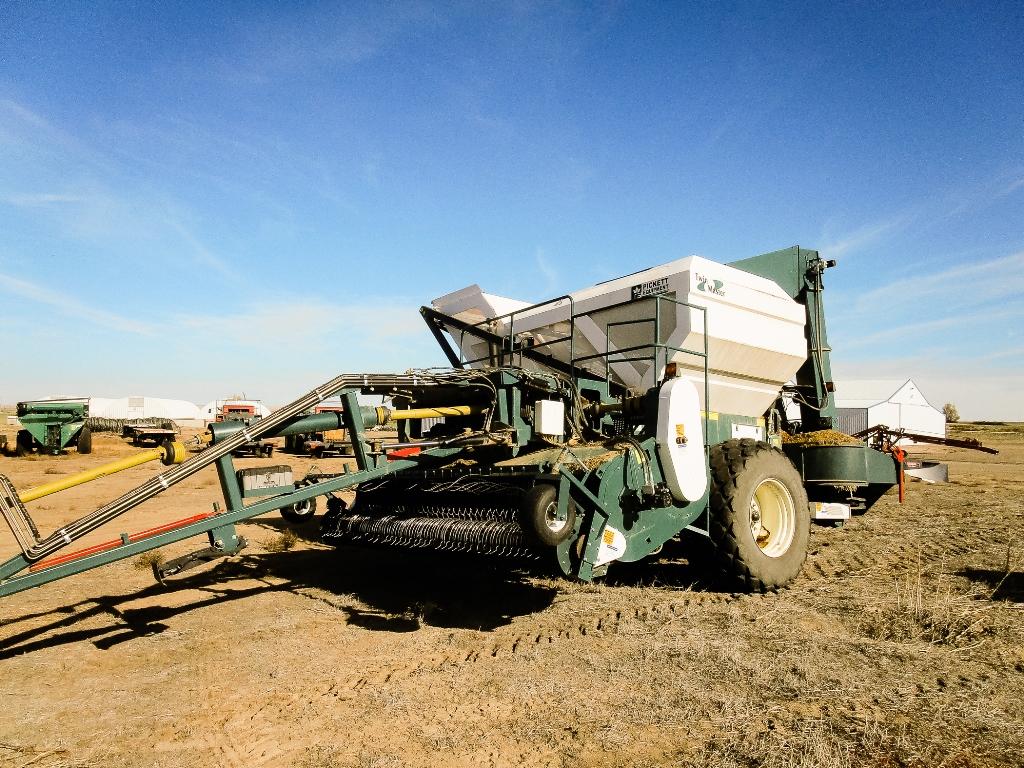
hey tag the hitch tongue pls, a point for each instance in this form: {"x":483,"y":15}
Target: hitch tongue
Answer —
{"x":162,"y":571}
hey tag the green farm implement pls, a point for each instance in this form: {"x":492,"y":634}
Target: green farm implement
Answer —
{"x":573,"y":434}
{"x":50,"y":426}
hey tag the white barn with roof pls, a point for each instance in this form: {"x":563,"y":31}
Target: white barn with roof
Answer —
{"x":896,"y":404}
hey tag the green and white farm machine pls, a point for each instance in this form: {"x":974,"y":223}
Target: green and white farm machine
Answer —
{"x":573,"y":434}
{"x":50,"y":426}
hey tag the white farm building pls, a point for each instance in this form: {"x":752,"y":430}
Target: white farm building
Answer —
{"x":894,"y":403}
{"x":140,"y":407}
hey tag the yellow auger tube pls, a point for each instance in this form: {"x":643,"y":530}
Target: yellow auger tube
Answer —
{"x":384,"y":415}
{"x":174,"y":453}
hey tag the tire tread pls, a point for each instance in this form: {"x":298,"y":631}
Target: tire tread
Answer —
{"x":728,"y":461}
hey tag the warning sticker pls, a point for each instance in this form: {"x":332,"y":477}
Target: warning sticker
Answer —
{"x":613,"y":546}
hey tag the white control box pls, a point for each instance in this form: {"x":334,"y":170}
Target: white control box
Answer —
{"x":549,"y":418}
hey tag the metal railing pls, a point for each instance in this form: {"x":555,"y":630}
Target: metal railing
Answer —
{"x":656,"y":351}
{"x":509,"y":346}
{"x":655,"y":348}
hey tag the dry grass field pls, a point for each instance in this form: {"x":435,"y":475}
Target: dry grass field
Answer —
{"x":901,"y":645}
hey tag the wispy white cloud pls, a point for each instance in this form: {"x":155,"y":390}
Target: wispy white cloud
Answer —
{"x":546,"y":269}
{"x":94,"y":199}
{"x":24,"y":114}
{"x":36,"y":199}
{"x":69,"y":305}
{"x":281,"y":46}
{"x":906,"y":331}
{"x":200,"y":252}
{"x":46,"y":145}
{"x":372,"y":170}
{"x":286,"y":322}
{"x":976,"y":282}
{"x":1013,"y":186}
{"x":921,"y":215}
{"x":856,"y":240}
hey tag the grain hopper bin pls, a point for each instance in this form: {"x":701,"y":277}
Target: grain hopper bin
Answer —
{"x":752,"y":331}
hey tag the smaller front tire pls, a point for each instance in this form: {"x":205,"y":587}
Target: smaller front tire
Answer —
{"x":539,"y":516}
{"x":299,"y":512}
{"x":23,"y":443}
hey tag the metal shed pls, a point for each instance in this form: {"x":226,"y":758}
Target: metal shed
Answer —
{"x":897,"y":404}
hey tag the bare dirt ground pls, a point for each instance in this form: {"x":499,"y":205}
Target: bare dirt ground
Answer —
{"x":902,"y":644}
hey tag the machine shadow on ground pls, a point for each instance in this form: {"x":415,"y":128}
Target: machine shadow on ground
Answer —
{"x":376,"y":589}
{"x":1006,"y":585}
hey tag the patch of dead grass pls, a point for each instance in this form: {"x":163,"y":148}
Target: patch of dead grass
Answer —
{"x":929,"y":610}
{"x":147,"y":560}
{"x":284,"y":541}
{"x":821,"y":743}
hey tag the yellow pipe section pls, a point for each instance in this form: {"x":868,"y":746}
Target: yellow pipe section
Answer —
{"x":177,"y":456}
{"x":384,"y":415}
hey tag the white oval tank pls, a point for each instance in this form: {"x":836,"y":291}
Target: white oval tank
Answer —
{"x":755,"y":331}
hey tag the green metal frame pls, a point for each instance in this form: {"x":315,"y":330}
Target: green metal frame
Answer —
{"x":799,"y":272}
{"x":614,"y":493}
{"x":223,"y":522}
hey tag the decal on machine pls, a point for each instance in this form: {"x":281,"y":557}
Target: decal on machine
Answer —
{"x":710,"y":285}
{"x":613,"y":546}
{"x":650,"y":288}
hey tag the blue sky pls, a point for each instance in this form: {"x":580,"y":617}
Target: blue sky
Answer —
{"x":202,"y":199}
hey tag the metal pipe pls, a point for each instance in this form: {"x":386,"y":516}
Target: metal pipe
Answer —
{"x":372,"y":416}
{"x":173,"y":453}
{"x":385,"y":415}
{"x":314,"y":422}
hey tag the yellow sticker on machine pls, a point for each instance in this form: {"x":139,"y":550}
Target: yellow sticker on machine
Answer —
{"x":613,"y":546}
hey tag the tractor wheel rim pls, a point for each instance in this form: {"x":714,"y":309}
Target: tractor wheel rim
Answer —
{"x":772,"y":517}
{"x":551,"y":518}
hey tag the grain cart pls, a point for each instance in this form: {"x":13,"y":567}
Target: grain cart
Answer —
{"x":49,"y":426}
{"x":583,"y":431}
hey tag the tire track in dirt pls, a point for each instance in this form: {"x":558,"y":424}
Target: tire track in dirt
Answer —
{"x":252,"y":737}
{"x":865,"y":550}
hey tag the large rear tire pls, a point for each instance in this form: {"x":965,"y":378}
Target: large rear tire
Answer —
{"x":85,"y":440}
{"x":760,"y":522}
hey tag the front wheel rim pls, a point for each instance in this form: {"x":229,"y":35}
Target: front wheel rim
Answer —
{"x":773,"y":517}
{"x":551,"y":518}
